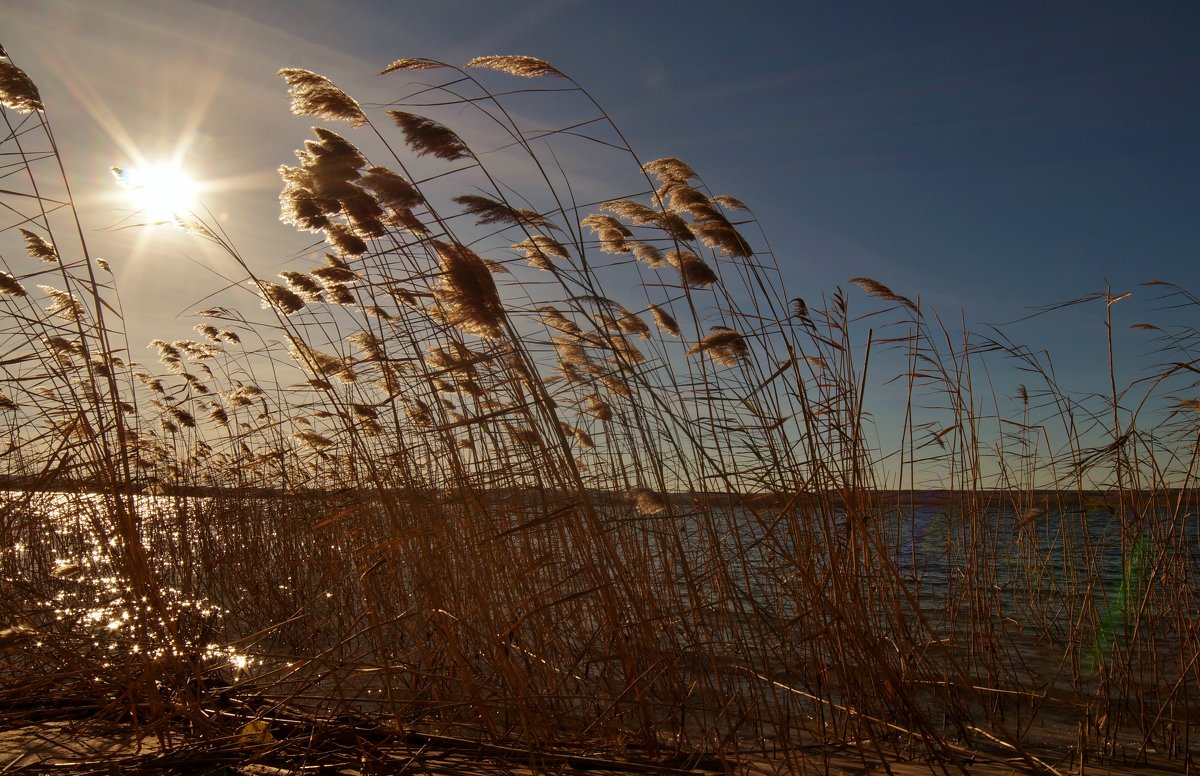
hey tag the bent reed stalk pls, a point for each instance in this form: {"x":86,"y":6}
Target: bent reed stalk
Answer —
{"x":449,"y":480}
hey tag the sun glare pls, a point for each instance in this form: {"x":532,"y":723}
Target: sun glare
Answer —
{"x":161,"y":192}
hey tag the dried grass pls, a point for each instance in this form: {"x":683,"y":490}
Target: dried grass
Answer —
{"x":554,"y":539}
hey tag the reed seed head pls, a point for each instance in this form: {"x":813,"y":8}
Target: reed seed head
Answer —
{"x":412,"y":64}
{"x":392,"y":190}
{"x":490,"y":211}
{"x":313,"y":439}
{"x":63,"y":305}
{"x":598,"y":408}
{"x":467,"y":293}
{"x":516,"y":64}
{"x":208,"y":331}
{"x":17,"y":90}
{"x":10,"y":286}
{"x":321,"y":363}
{"x":724,"y":346}
{"x":278,"y":297}
{"x":315,"y":95}
{"x":875,"y":288}
{"x":611,"y":232}
{"x":646,"y":253}
{"x":634,"y":211}
{"x":428,"y":137}
{"x":629,"y":323}
{"x":693,"y":270}
{"x":730,"y":203}
{"x":343,"y":240}
{"x":308,"y":289}
{"x":669,"y":169}
{"x":719,"y":234}
{"x":664,"y":320}
{"x":40,"y":249}
{"x":556,"y":320}
{"x":539,"y":250}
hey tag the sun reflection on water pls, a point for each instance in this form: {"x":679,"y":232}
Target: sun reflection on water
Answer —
{"x":89,"y":605}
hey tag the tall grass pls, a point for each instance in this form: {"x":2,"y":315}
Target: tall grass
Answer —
{"x":547,"y":468}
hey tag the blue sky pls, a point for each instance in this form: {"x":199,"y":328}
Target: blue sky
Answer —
{"x":987,"y":157}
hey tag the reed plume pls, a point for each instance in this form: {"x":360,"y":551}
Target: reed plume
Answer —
{"x":875,"y":288}
{"x":554,"y":319}
{"x":308,"y":289}
{"x":628,"y":323}
{"x":682,"y":197}
{"x":335,"y":271}
{"x":391,"y":189}
{"x":64,"y":305}
{"x":320,"y":362}
{"x":647,"y":254}
{"x":10,"y":286}
{"x":669,"y":169}
{"x":208,"y":331}
{"x":427,"y":137}
{"x":723,"y":345}
{"x":313,"y":439}
{"x":539,"y":250}
{"x":331,"y":157}
{"x":730,"y":203}
{"x":275,"y":296}
{"x":675,"y":226}
{"x":597,"y":408}
{"x":343,"y":240}
{"x":217,"y":414}
{"x":38,"y":248}
{"x":665,"y":321}
{"x":693,"y":270}
{"x":315,"y":95}
{"x":17,"y":90}
{"x":632,"y":210}
{"x":719,"y":234}
{"x":611,"y":232}
{"x":371,"y":346}
{"x":363,"y":213}
{"x":466,"y":293}
{"x":490,"y":211}
{"x":516,"y":64}
{"x":65,"y":352}
{"x":411,"y":64}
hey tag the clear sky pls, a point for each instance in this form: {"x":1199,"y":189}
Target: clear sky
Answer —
{"x":987,"y":157}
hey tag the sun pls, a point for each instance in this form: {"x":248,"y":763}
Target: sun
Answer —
{"x":161,"y":192}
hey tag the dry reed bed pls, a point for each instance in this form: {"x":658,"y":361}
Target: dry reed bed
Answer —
{"x":525,"y":463}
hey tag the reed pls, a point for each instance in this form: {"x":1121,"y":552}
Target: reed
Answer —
{"x":448,"y":485}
